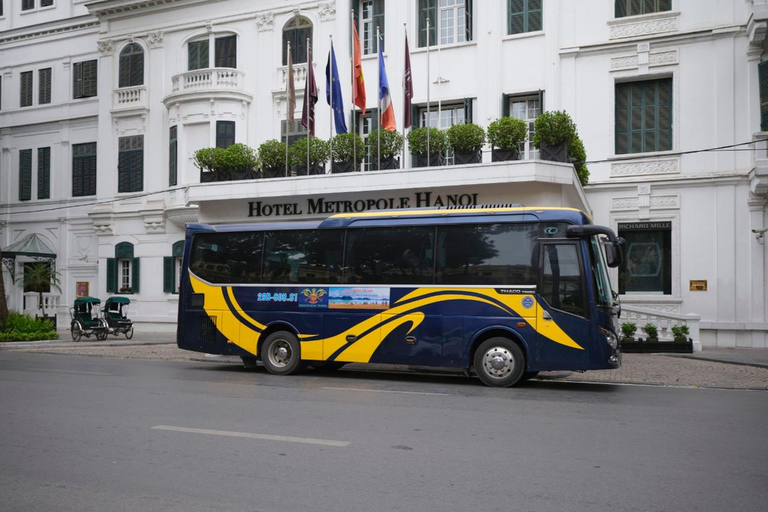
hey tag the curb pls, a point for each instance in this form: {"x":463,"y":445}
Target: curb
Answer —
{"x":66,"y":344}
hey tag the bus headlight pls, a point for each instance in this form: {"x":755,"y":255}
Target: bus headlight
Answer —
{"x":610,"y":338}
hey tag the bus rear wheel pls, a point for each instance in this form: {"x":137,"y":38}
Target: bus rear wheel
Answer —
{"x":281,"y":353}
{"x":499,"y":362}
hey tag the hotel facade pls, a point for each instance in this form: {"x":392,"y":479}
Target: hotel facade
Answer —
{"x":104,"y":103}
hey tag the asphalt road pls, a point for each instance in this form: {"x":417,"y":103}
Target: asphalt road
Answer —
{"x":101,"y":434}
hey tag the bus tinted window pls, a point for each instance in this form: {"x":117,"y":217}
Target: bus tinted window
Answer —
{"x":227,"y":257}
{"x":390,"y":255}
{"x":487,"y":254}
{"x":561,"y":278}
{"x":311,"y":257}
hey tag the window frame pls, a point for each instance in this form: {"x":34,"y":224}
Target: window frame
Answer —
{"x":298,"y":50}
{"x":173,"y":156}
{"x":26,"y":89}
{"x":628,"y":120}
{"x":223,"y":138}
{"x":131,"y":66}
{"x":577,"y":244}
{"x":44,"y":172}
{"x":25,"y":175}
{"x":527,"y":149}
{"x":44,"y":86}
{"x":623,"y":8}
{"x":132,"y":178}
{"x":525,"y":14}
{"x":667,"y":256}
{"x":431,"y":9}
{"x":85,"y":86}
{"x":80,"y":165}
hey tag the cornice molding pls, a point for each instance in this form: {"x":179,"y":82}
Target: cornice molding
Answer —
{"x":45,"y":30}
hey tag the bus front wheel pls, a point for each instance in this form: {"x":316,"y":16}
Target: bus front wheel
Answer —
{"x":499,"y":362}
{"x":281,"y":353}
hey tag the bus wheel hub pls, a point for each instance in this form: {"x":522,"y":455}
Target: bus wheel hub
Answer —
{"x":498,"y":362}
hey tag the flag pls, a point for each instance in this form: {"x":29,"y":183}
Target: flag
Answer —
{"x":358,"y":88}
{"x":290,"y":90}
{"x":333,"y":92}
{"x":310,"y":97}
{"x":407,"y":88}
{"x":385,"y":100}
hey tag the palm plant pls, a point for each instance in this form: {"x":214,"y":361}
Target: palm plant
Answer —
{"x":3,"y":304}
{"x":40,"y":278}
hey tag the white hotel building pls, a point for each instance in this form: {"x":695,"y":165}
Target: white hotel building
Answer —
{"x":103,"y":104}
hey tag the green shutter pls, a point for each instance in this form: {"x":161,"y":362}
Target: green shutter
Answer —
{"x":173,"y":150}
{"x":25,"y":175}
{"x":25,"y":99}
{"x":505,"y":105}
{"x":77,"y":80}
{"x":197,"y":55}
{"x":467,"y":110}
{"x":516,"y":20}
{"x":90,"y":79}
{"x":427,"y":9}
{"x":226,"y":52}
{"x":111,"y":275}
{"x":124,"y":250}
{"x":620,"y":8}
{"x":468,"y":13}
{"x":415,"y":116}
{"x":178,"y":249}
{"x":43,"y":173}
{"x":135,"y":275}
{"x":534,"y":16}
{"x":169,"y":279}
{"x":378,"y":21}
{"x":44,"y":86}
{"x":762,"y":73}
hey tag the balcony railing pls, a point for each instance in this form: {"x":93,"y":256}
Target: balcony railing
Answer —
{"x":209,"y":79}
{"x":299,"y":76}
{"x":130,"y":97}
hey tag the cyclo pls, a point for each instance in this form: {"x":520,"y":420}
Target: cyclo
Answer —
{"x":116,"y":316}
{"x":86,"y":320}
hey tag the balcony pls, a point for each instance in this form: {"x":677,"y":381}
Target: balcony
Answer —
{"x":130,"y":100}
{"x":208,"y":83}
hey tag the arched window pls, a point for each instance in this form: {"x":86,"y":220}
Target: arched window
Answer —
{"x":297,"y":31}
{"x":131,"y":66}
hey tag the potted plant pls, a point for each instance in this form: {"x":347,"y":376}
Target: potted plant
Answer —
{"x":578,"y":156}
{"x":652,"y":331}
{"x":628,"y":329}
{"x":208,"y":160}
{"x":239,"y":162}
{"x":272,"y":155}
{"x":554,"y":130}
{"x":347,"y":153}
{"x":318,"y":155}
{"x":390,"y":143}
{"x":427,"y":156}
{"x":467,"y":142}
{"x":680,"y":333}
{"x":40,"y":278}
{"x":506,"y":135}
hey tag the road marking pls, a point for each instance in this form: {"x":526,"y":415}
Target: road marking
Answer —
{"x":67,"y":371}
{"x":266,"y":437}
{"x":387,"y":391}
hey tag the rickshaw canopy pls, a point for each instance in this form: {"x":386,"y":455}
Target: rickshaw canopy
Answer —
{"x":86,"y":300}
{"x":118,"y":300}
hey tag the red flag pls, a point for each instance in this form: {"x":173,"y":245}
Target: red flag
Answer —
{"x":358,"y":90}
{"x":290,"y":90}
{"x":407,"y":87}
{"x":310,"y":97}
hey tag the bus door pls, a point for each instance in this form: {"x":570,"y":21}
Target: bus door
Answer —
{"x":413,"y":337}
{"x":563,"y":326}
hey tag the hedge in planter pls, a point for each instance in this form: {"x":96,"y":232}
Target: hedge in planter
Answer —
{"x":318,"y":155}
{"x":237,"y":162}
{"x":506,"y":135}
{"x":208,"y":161}
{"x":272,"y":154}
{"x":391,"y":143}
{"x":432,"y":155}
{"x":467,"y":141}
{"x":556,"y":136}
{"x":347,"y":153}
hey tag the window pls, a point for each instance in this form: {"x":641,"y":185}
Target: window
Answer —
{"x":647,"y":266}
{"x":293,"y":131}
{"x":444,"y":116}
{"x":25,"y":175}
{"x":762,"y":73}
{"x":527,"y":108}
{"x":561,"y":278}
{"x":197,"y":55}
{"x":26,"y":89}
{"x":172,"y":268}
{"x":131,"y":66}
{"x":369,"y":15}
{"x":85,"y":79}
{"x":311,"y":257}
{"x":644,"y":116}
{"x":173,"y":157}
{"x":84,"y":169}
{"x":123,"y":270}
{"x":637,"y":7}
{"x":226,"y":52}
{"x":490,"y":254}
{"x":451,"y":19}
{"x":364,"y":125}
{"x":130,"y":166}
{"x":44,"y":86}
{"x":402,"y":255}
{"x":225,"y":134}
{"x":1,"y":8}
{"x":27,"y":5}
{"x":524,"y":16}
{"x":46,"y":3}
{"x":43,"y":173}
{"x":297,"y":32}
{"x":227,"y":257}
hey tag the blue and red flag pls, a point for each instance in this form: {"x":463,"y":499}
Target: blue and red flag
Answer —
{"x":385,"y":99}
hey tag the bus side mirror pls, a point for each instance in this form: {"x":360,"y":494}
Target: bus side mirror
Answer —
{"x":614,"y":252}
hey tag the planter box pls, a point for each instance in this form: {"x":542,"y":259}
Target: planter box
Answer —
{"x":467,"y":158}
{"x":387,"y":163}
{"x":505,"y":155}
{"x":275,"y":172}
{"x":342,"y":167}
{"x":653,"y":347}
{"x":557,"y":153}
{"x":207,"y":177}
{"x":301,"y":170}
{"x":435,"y":160}
{"x":244,"y":174}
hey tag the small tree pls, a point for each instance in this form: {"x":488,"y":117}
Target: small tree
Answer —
{"x":40,"y":278}
{"x":629,"y":329}
{"x":3,"y":303}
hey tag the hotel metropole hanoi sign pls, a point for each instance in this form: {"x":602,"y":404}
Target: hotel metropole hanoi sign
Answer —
{"x":325,"y":206}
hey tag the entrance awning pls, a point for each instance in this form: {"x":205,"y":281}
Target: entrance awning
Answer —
{"x":31,"y":246}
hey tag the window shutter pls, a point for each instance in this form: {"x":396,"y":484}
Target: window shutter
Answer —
{"x":124,"y":74}
{"x":89,"y":170}
{"x":123,"y":171}
{"x":467,"y":110}
{"x":378,"y":21}
{"x":621,"y":8}
{"x":178,"y":249}
{"x":516,"y":23}
{"x":468,"y":21}
{"x":25,"y":175}
{"x":427,"y":9}
{"x":505,"y":105}
{"x":44,"y":86}
{"x":137,"y":68}
{"x":226,"y":52}
{"x":111,"y":275}
{"x":77,"y":80}
{"x":225,"y":134}
{"x":762,"y":73}
{"x":356,"y":11}
{"x":416,"y":116}
{"x":44,"y":173}
{"x":135,"y":275}
{"x":622,"y":118}
{"x":173,"y":157}
{"x":664,"y":115}
{"x":26,"y":89}
{"x":534,"y":17}
{"x":90,"y":79}
{"x":193,"y":56}
{"x":168,"y":274}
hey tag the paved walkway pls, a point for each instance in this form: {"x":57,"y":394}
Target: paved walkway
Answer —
{"x":713,"y":367}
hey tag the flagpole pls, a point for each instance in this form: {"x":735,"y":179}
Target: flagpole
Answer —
{"x":428,"y":112}
{"x":405,"y":31}
{"x":330,"y":64}
{"x":354,"y":92}
{"x":310,"y":120}
{"x":378,"y":95}
{"x":288,"y":115}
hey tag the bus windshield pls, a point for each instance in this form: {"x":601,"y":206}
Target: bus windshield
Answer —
{"x":600,"y":273}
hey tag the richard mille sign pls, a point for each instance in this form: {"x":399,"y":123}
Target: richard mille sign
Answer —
{"x":325,"y":206}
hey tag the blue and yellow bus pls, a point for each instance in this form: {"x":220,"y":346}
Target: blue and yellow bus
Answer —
{"x":504,"y":292}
